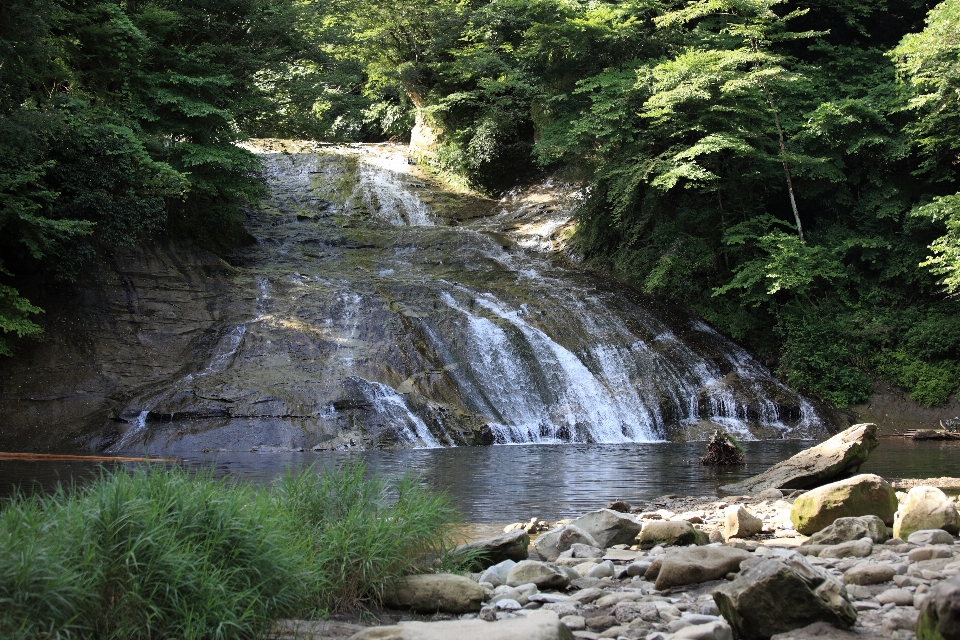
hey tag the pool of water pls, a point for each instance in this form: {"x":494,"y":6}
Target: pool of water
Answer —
{"x":511,"y":483}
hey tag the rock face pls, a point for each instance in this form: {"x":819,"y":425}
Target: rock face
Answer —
{"x":840,"y":455}
{"x":779,"y":594}
{"x":847,"y":529}
{"x":431,"y":593}
{"x":740,"y":523}
{"x":672,"y":532}
{"x":535,"y":627}
{"x":925,"y":508}
{"x":940,"y":612}
{"x":689,"y":565}
{"x":509,"y":546}
{"x":861,"y":495}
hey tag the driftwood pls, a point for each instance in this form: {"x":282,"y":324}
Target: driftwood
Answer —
{"x":722,"y":450}
{"x":55,"y":457}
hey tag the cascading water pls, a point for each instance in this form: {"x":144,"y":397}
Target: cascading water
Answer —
{"x":383,"y":310}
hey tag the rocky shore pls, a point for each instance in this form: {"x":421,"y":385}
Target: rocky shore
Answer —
{"x":853,"y":558}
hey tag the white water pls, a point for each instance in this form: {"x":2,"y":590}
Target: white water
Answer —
{"x":383,"y":186}
{"x":391,"y":405}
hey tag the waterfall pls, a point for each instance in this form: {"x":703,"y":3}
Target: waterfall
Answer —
{"x":377,"y":309}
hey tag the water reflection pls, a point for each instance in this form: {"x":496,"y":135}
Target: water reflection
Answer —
{"x":511,"y":483}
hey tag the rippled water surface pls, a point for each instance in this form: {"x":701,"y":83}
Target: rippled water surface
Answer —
{"x":510,"y":483}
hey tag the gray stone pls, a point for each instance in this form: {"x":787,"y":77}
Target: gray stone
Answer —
{"x":930,"y":536}
{"x":852,"y":528}
{"x":717,"y":630}
{"x":773,"y":595}
{"x":573,"y":535}
{"x":497,"y":574}
{"x":667,"y":532}
{"x":899,"y":619}
{"x":536,"y":626}
{"x":545,"y":598}
{"x":825,"y":631}
{"x":842,"y":454}
{"x":770,"y":494}
{"x":609,"y":527}
{"x":542,"y":574}
{"x":740,"y":523}
{"x":586,"y":596}
{"x":637,"y":568}
{"x":930,"y":553}
{"x":563,"y":609}
{"x":547,"y":544}
{"x":630,"y":610}
{"x":435,"y":592}
{"x":574,"y":623}
{"x":854,"y":549}
{"x":603,"y":570}
{"x":690,"y":565}
{"x":509,"y":546}
{"x":585,"y":551}
{"x":867,"y":574}
{"x":898,"y":597}
{"x":925,"y":508}
{"x":861,"y":495}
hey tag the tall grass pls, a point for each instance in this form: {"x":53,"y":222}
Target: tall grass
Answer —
{"x":161,"y":553}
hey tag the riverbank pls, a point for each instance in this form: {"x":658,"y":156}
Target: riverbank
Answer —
{"x":620,"y":592}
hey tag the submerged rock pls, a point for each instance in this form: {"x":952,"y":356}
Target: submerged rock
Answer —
{"x":840,"y":455}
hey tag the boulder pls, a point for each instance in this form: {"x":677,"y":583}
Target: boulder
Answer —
{"x":840,"y":455}
{"x":861,"y":495}
{"x":497,"y":574}
{"x":868,"y":574}
{"x":435,"y":592}
{"x":542,"y":574}
{"x":509,"y":546}
{"x":667,"y":532}
{"x":608,"y":527}
{"x":940,"y":612}
{"x":571,"y":535}
{"x":925,"y":508}
{"x":777,"y":594}
{"x":547,"y":544}
{"x":691,"y":565}
{"x":537,"y":626}
{"x":930,"y":536}
{"x":847,"y":529}
{"x":740,"y":523}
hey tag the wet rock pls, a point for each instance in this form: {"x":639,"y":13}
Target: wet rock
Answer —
{"x":542,"y":574}
{"x":608,"y":527}
{"x":773,"y":595}
{"x":690,"y":565}
{"x":867,"y":574}
{"x":842,"y":454}
{"x":667,"y":532}
{"x":930,"y":536}
{"x":847,"y":529}
{"x":537,"y":626}
{"x":509,"y":546}
{"x":925,"y":508}
{"x":740,"y":523}
{"x":940,"y":612}
{"x":431,"y":593}
{"x":861,"y":495}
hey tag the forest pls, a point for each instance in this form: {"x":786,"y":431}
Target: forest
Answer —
{"x":786,"y":170}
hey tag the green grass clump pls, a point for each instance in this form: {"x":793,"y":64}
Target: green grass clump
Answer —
{"x":161,"y":553}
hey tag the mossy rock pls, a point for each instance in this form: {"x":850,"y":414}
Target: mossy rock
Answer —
{"x":862,"y":495}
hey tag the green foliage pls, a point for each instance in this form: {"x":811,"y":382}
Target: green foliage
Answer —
{"x":162,"y":553}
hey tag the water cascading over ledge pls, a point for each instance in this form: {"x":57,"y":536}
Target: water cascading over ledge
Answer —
{"x":379,"y":309}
